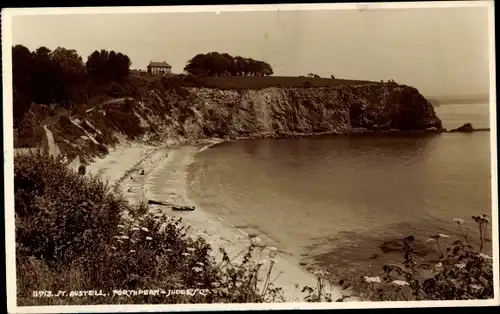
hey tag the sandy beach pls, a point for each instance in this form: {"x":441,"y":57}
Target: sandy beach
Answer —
{"x":165,"y":179}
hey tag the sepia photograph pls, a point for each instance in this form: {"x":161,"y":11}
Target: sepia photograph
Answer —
{"x":183,"y":158}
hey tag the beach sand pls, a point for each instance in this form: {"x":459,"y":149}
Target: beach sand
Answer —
{"x":165,"y":179}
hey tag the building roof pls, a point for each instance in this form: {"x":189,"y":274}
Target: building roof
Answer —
{"x":159,"y":64}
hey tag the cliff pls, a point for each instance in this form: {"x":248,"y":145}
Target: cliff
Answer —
{"x":189,"y":114}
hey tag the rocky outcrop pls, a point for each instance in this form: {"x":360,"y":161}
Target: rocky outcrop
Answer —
{"x":467,"y":128}
{"x":409,"y":243}
{"x":190,"y":114}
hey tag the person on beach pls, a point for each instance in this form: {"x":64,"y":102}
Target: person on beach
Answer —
{"x":81,"y":170}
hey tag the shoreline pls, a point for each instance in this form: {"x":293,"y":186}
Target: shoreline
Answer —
{"x":165,"y":179}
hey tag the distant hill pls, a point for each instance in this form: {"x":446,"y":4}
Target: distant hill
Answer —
{"x":464,"y":99}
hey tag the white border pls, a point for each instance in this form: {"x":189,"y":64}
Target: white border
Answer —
{"x":7,"y":15}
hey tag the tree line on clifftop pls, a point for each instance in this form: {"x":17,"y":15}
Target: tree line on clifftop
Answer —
{"x":223,"y":64}
{"x":60,"y":77}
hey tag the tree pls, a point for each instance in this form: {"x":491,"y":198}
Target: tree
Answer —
{"x":198,"y":65}
{"x":240,"y":65}
{"x":108,"y":65}
{"x":69,"y":60}
{"x":96,"y":64}
{"x":223,"y":64}
{"x":47,"y":78}
{"x":22,"y":66}
{"x":264,"y":68}
{"x":73,"y":69}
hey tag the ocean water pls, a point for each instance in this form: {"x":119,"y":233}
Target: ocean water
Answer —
{"x":331,"y":201}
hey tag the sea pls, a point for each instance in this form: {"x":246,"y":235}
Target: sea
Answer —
{"x":331,"y":201}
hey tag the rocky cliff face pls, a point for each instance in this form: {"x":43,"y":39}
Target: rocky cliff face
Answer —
{"x":197,"y":113}
{"x":338,"y":110}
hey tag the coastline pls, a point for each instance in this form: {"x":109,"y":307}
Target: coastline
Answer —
{"x":165,"y":179}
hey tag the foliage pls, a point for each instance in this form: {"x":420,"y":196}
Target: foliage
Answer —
{"x":108,"y":65}
{"x":71,"y":231}
{"x":60,"y":77}
{"x":43,"y":77}
{"x":461,"y":273}
{"x":217,"y":64}
{"x":317,"y":294}
{"x":49,"y":213}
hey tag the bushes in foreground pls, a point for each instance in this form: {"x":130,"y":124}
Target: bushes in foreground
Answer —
{"x":73,"y":234}
{"x":60,"y":215}
{"x":462,"y":272}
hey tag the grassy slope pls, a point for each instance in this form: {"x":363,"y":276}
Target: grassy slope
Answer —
{"x":260,"y":82}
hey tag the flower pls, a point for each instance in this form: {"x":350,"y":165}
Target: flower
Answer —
{"x":485,"y":256}
{"x":320,"y":272}
{"x":316,"y":272}
{"x":261,"y":261}
{"x":372,"y":279}
{"x":400,"y":283}
{"x":443,"y":235}
{"x":458,"y":221}
{"x":273,"y":249}
{"x":255,"y":241}
{"x":149,"y":238}
{"x":460,"y":265}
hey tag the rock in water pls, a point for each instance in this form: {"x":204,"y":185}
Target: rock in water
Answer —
{"x":466,"y":128}
{"x":400,"y":245}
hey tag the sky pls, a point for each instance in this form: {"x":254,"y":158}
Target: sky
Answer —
{"x":440,"y":51}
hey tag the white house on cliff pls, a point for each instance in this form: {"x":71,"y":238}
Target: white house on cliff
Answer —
{"x":159,"y":68}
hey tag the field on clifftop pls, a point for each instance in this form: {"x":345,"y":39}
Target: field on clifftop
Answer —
{"x":260,"y":82}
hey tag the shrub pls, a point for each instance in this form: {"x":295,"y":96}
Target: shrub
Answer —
{"x":60,"y":215}
{"x":115,"y":90}
{"x":462,"y":272}
{"x":71,"y":232}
